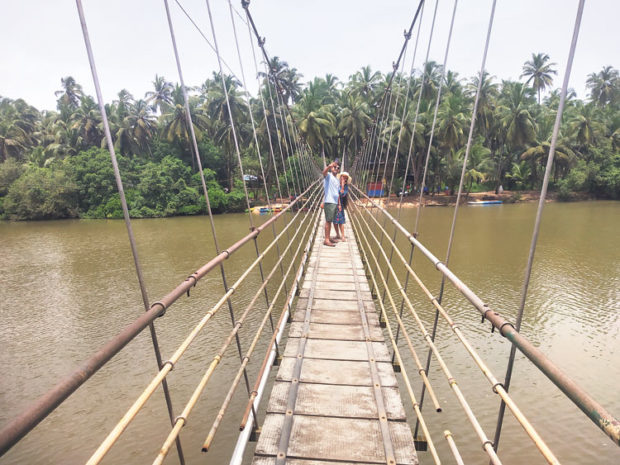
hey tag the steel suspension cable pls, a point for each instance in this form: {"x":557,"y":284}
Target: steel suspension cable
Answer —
{"x":486,"y":443}
{"x":130,"y":234}
{"x":497,"y":387}
{"x":414,"y":403}
{"x":596,"y":412}
{"x":613,"y":431}
{"x":169,"y":364}
{"x":194,"y":144}
{"x":181,"y":420}
{"x":410,"y":151}
{"x":430,"y":143}
{"x":37,"y":411}
{"x":207,"y":443}
{"x":461,"y":181}
{"x":247,"y":99}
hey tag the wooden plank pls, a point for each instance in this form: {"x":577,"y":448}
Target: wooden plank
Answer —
{"x":337,"y":350}
{"x":343,"y":372}
{"x":342,"y":332}
{"x":336,"y":401}
{"x":336,"y":318}
{"x":337,"y":439}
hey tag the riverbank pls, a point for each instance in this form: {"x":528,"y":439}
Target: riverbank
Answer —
{"x":444,"y":200}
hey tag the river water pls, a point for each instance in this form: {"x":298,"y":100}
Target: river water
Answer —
{"x":66,"y":287}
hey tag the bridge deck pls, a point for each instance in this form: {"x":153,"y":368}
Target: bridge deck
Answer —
{"x":335,"y":398}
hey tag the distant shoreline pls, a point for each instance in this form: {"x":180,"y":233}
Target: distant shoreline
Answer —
{"x":507,"y":197}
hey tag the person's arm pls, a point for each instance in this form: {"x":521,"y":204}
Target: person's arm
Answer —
{"x":327,"y":168}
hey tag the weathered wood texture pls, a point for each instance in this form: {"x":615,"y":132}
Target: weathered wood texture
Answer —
{"x":335,"y":398}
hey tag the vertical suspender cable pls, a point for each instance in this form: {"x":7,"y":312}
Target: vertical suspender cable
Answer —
{"x":430,"y":142}
{"x":202,"y":178}
{"x":467,"y":150}
{"x":121,"y":191}
{"x":428,"y":154}
{"x":260,"y":160}
{"x":541,"y":204}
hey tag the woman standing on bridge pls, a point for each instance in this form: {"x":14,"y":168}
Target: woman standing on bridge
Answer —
{"x":343,"y":199}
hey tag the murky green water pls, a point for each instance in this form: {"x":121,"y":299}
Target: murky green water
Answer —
{"x":66,"y":287}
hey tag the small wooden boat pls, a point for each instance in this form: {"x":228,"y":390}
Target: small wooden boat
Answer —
{"x":484,"y":202}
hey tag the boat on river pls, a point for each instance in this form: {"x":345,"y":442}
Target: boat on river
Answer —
{"x":484,"y":202}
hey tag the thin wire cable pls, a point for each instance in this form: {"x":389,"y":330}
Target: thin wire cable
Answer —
{"x":182,"y":419}
{"x":461,"y":182}
{"x":486,"y":443}
{"x":495,"y":385}
{"x":432,"y":134}
{"x":121,"y":191}
{"x":541,"y":204}
{"x":169,"y":364}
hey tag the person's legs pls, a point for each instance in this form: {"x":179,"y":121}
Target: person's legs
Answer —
{"x":344,"y":239}
{"x":330,"y":210}
{"x":328,"y":227}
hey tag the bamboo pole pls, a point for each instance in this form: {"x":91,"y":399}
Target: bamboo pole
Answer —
{"x":113,"y":436}
{"x":216,"y":360}
{"x":486,"y":443}
{"x":414,"y":402}
{"x":596,"y":412}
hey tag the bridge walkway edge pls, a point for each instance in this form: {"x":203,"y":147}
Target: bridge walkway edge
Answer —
{"x":335,"y":397}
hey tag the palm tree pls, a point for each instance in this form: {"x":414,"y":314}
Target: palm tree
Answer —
{"x":537,"y":156}
{"x":354,"y":120}
{"x":604,"y":86}
{"x":18,"y":121}
{"x":364,"y":82}
{"x":86,"y":121}
{"x":136,"y":129}
{"x":539,"y":72}
{"x":586,"y":128}
{"x":486,"y":102}
{"x":161,"y":97}
{"x":69,"y":96}
{"x":220,"y":111}
{"x":174,"y":125}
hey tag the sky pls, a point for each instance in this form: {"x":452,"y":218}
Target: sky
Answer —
{"x":41,"y":41}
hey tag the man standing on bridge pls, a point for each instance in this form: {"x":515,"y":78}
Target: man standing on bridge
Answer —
{"x":330,"y":198}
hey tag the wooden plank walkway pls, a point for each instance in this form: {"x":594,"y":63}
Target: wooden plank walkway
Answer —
{"x":335,"y":398}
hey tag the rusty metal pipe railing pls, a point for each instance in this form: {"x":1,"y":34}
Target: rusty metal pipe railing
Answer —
{"x":453,"y":448}
{"x":41,"y":408}
{"x":270,"y":357}
{"x":167,"y":367}
{"x":414,"y":403}
{"x":401,"y":326}
{"x":484,"y":440}
{"x":284,"y":314}
{"x":595,"y":411}
{"x":182,"y":419}
{"x":497,"y":387}
{"x":207,"y":443}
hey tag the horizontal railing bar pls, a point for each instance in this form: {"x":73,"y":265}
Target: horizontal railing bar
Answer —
{"x":595,"y":411}
{"x":495,"y":385}
{"x":48,"y":402}
{"x":270,"y":355}
{"x":182,"y":419}
{"x":170,"y":363}
{"x":485,"y":442}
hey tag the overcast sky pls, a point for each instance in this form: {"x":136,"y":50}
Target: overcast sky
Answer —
{"x":41,"y":40}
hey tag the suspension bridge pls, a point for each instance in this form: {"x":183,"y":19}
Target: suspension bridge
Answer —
{"x":343,"y":387}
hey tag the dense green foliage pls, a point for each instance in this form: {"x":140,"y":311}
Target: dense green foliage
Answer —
{"x":52,"y":164}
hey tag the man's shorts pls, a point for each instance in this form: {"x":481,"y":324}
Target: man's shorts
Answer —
{"x":330,"y":211}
